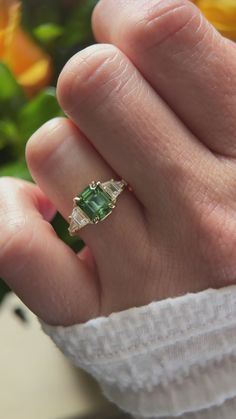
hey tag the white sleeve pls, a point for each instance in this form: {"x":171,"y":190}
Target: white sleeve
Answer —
{"x":169,"y":358}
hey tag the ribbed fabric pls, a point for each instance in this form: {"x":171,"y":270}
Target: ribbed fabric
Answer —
{"x":227,"y":410}
{"x":169,"y":358}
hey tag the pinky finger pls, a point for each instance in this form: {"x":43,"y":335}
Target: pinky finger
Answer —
{"x":43,"y":271}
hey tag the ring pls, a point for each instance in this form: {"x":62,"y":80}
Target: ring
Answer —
{"x":94,"y":203}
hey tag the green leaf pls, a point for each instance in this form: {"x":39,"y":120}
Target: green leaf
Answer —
{"x":61,"y":227}
{"x":16,"y":169}
{"x":9,"y":86}
{"x":48,"y":32}
{"x":37,"y":12}
{"x":10,"y":145}
{"x":78,"y":27}
{"x":11,"y":94}
{"x":35,"y":113}
{"x":8,"y":133}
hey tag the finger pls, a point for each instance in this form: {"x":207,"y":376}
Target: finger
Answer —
{"x":126,"y":121}
{"x":63,"y":162}
{"x":183,"y":57}
{"x":86,"y":256}
{"x":45,"y":273}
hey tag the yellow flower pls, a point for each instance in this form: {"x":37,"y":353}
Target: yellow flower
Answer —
{"x":30,"y":65}
{"x":222,"y":14}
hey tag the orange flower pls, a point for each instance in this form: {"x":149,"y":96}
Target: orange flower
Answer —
{"x":222,"y":14}
{"x":30,"y":65}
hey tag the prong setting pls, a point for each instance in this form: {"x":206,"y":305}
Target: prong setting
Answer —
{"x":76,"y":200}
{"x":94,"y":204}
{"x":93,"y":185}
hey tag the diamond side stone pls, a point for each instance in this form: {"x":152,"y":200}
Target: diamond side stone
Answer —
{"x":78,"y":219}
{"x":113,"y":188}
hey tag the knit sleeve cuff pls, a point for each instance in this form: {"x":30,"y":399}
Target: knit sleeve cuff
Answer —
{"x":164,"y":359}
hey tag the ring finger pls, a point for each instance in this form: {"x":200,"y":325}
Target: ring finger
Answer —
{"x":63,"y":162}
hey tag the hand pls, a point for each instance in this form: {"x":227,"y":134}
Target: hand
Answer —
{"x":157,"y":108}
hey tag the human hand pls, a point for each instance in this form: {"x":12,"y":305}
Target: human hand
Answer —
{"x":156,"y":108}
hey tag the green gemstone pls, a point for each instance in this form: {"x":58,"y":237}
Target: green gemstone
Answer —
{"x":95,"y":203}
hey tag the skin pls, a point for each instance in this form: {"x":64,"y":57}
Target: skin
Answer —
{"x":153,"y":103}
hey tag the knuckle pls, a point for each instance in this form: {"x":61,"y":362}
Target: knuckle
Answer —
{"x":17,"y":230}
{"x":15,"y":244}
{"x":7,"y":186}
{"x":85,"y":72}
{"x":160,"y":23}
{"x":43,"y":143}
{"x":98,"y":67}
{"x":5,"y":182}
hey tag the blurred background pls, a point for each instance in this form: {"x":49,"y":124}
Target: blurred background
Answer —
{"x":36,"y":39}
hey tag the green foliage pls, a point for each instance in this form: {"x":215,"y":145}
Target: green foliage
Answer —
{"x":38,"y":111}
{"x":16,"y":169}
{"x":77,"y":27}
{"x":61,"y":28}
{"x":11,"y":94}
{"x":10,"y":91}
{"x":48,"y":32}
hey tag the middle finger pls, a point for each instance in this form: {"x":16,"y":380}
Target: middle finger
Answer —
{"x":183,"y":57}
{"x":127,"y":122}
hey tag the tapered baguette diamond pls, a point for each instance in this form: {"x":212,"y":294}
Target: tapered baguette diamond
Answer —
{"x":113,"y":188}
{"x":78,"y":220}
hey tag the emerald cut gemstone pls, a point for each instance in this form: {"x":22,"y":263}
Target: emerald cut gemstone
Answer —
{"x":95,"y":203}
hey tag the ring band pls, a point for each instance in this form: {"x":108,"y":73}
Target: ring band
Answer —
{"x":94,"y":203}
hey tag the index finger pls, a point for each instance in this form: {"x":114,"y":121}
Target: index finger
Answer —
{"x":42,"y":270}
